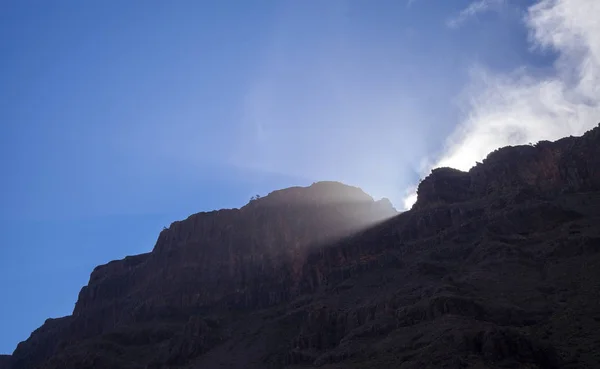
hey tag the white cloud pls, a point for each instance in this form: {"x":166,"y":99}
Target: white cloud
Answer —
{"x":410,"y":198}
{"x":520,"y":107}
{"x":474,"y":9}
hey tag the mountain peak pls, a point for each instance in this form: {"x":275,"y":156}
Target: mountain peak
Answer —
{"x":322,"y":193}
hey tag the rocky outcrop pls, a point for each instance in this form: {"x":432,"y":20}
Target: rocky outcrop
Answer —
{"x":518,"y":173}
{"x":496,"y":267}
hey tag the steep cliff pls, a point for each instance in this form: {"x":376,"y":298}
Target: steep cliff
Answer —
{"x":492,"y":268}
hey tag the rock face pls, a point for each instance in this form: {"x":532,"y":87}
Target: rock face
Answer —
{"x":492,"y":268}
{"x":5,"y":361}
{"x":227,"y":260}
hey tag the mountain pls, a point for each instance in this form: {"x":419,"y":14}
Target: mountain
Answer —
{"x":493,"y":268}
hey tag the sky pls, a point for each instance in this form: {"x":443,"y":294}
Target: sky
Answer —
{"x":119,"y":117}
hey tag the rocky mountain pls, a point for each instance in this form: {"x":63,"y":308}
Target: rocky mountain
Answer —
{"x":493,"y":268}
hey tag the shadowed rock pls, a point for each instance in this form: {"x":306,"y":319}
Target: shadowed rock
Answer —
{"x":495,"y":267}
{"x":5,"y":361}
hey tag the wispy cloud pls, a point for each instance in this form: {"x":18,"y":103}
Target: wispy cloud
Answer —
{"x":474,"y":9}
{"x":522,"y":107}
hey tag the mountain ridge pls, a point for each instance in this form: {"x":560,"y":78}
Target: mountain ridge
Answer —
{"x":323,"y":264}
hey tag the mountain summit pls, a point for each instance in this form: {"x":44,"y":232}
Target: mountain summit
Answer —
{"x":492,"y":268}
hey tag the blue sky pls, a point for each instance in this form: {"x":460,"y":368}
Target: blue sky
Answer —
{"x":117,"y":118}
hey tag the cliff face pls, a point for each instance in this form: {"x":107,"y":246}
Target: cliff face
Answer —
{"x":244,"y":259}
{"x":236,"y":259}
{"x":495,"y":267}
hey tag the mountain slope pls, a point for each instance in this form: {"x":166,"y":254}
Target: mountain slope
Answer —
{"x":496,"y":267}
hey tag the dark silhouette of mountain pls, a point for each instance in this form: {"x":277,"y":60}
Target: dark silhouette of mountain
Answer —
{"x":5,"y":361}
{"x":498,"y":267}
